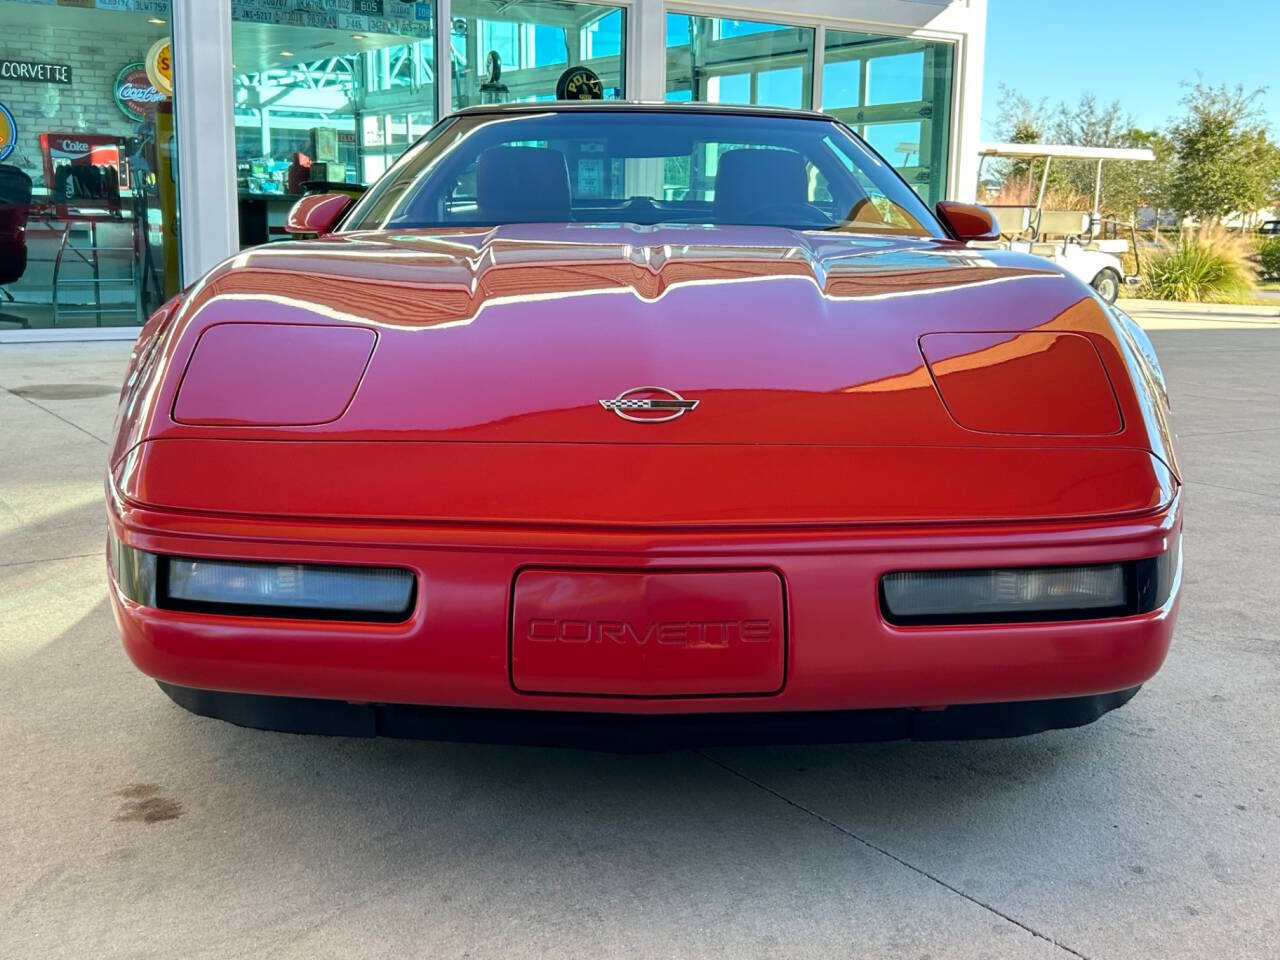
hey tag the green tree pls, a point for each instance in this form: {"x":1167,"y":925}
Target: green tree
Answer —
{"x":1130,"y":186}
{"x":1226,"y":162}
{"x":1086,"y":123}
{"x":1021,"y":121}
{"x":1089,"y":124}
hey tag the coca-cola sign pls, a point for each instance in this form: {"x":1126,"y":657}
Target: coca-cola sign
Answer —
{"x":135,"y":95}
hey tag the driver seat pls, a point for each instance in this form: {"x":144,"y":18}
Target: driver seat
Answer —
{"x":523,"y":185}
{"x":747,"y":180}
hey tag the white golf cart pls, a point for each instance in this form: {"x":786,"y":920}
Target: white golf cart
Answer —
{"x":1082,"y":242}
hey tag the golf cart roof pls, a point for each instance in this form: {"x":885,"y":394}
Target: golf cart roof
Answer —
{"x":1034,"y":151}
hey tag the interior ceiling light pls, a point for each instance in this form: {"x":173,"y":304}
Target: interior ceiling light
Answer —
{"x":286,"y":53}
{"x":157,"y":21}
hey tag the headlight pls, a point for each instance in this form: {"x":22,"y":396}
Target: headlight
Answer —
{"x":1029,"y":594}
{"x":313,"y":591}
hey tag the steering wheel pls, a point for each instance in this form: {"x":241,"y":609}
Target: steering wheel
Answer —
{"x":789,"y":211}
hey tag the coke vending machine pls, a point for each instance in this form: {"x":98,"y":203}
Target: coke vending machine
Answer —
{"x":80,"y":167}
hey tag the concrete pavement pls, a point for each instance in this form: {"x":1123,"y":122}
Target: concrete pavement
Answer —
{"x":129,"y":828}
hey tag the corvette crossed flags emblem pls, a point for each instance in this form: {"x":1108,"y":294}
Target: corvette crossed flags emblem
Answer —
{"x":663,"y":403}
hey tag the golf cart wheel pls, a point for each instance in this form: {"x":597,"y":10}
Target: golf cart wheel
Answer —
{"x":1107,"y":285}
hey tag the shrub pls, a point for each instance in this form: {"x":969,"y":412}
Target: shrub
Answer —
{"x":1209,"y":266}
{"x":1269,"y":257}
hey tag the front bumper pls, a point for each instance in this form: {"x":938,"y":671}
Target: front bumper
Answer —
{"x":454,"y":650}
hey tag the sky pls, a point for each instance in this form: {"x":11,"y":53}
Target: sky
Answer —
{"x":1134,"y":51}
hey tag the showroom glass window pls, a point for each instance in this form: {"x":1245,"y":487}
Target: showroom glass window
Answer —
{"x":896,"y":93}
{"x":324,"y":96}
{"x":717,"y":60}
{"x":517,"y":52}
{"x":88,"y":201}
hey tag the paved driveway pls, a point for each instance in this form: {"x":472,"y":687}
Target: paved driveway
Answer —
{"x":129,"y":828}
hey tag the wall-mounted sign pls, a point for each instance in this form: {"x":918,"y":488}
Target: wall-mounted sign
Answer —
{"x":160,"y":67}
{"x":157,"y":8}
{"x":135,"y":94}
{"x":402,"y":17}
{"x":33,"y":71}
{"x":579,"y":83}
{"x":8,"y":132}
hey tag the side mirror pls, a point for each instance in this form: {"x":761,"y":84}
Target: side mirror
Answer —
{"x":968,"y":221}
{"x":317,"y":214}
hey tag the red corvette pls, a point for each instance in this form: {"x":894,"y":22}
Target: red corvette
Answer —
{"x":631,"y":424}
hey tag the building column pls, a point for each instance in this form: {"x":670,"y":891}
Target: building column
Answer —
{"x":967,"y":110}
{"x":646,"y":54}
{"x":205,"y":123}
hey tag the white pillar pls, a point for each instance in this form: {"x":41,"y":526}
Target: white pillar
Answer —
{"x":647,"y":51}
{"x":967,"y":112}
{"x":444,"y":59}
{"x":205,"y":123}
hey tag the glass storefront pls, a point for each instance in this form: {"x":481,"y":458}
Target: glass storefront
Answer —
{"x":88,"y":192}
{"x":327,"y":94}
{"x":715,"y":60}
{"x":896,"y":93}
{"x":506,"y":52}
{"x":323,"y":97}
{"x":333,"y":99}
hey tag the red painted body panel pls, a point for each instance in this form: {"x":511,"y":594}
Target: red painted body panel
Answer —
{"x":516,"y":334}
{"x":643,"y":485}
{"x":475,"y":447}
{"x":969,"y":221}
{"x":648,"y":633}
{"x":317,"y":213}
{"x":841,"y":654}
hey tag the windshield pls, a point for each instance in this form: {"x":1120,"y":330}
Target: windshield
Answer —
{"x":643,"y":167}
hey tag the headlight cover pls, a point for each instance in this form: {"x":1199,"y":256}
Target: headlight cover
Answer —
{"x":1031,"y":383}
{"x":273,"y":374}
{"x":241,"y":588}
{"x":1030,"y":594}
{"x":274,"y":589}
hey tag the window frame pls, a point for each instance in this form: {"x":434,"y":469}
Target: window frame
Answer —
{"x":959,"y":42}
{"x":632,"y":77}
{"x":376,"y":193}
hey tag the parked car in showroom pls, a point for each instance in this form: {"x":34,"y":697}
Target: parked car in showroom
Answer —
{"x":516,"y":447}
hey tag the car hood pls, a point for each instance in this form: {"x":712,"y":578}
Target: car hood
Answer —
{"x":519,"y":333}
{"x":511,"y":339}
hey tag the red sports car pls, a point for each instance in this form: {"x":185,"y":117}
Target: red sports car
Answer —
{"x":638,"y":424}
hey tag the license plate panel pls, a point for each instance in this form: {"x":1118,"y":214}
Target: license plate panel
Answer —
{"x":671,"y":633}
